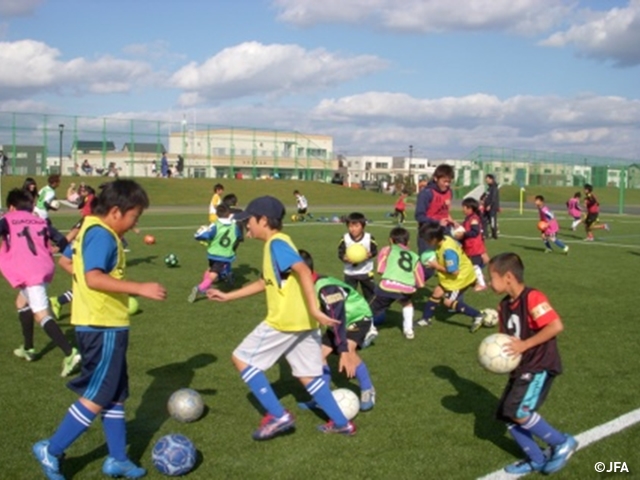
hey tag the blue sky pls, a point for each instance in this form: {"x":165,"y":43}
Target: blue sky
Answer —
{"x":379,"y":75}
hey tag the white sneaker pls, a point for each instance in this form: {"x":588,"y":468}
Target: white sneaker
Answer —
{"x":370,"y":337}
{"x":409,"y":335}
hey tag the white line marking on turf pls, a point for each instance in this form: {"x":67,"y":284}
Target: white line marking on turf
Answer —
{"x":585,"y":438}
{"x":576,"y":242}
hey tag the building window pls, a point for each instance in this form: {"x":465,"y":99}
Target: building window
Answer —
{"x":382,"y":165}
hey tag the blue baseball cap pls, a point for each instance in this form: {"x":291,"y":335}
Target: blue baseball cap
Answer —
{"x":266,"y":206}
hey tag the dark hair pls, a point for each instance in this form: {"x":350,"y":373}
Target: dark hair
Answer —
{"x":55,"y":178}
{"x":399,"y":236}
{"x":223,"y":210}
{"x":431,"y":231}
{"x":124,"y":194}
{"x":296,"y":192}
{"x":504,"y":263}
{"x":27,"y":183}
{"x":588,"y":187}
{"x":577,"y":195}
{"x":444,"y":170}
{"x":89,"y":189}
{"x":218,"y":186}
{"x":230,"y":200}
{"x":20,"y":199}
{"x":356,"y":217}
{"x":540,"y":197}
{"x":272,"y":223}
{"x":308,"y":259}
{"x":490,"y":176}
{"x":471,"y":203}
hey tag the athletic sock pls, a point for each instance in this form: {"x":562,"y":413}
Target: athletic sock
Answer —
{"x":362,"y":374}
{"x":429,"y":309}
{"x":378,"y":319}
{"x":539,"y":427}
{"x":559,"y":243}
{"x":479,"y":275}
{"x":547,"y":244}
{"x":25,"y":315}
{"x":262,"y":390}
{"x":407,"y":318}
{"x":575,"y":224}
{"x":460,"y":307}
{"x":75,"y":423}
{"x":326,"y":374}
{"x":52,"y":329}
{"x":321,"y":393}
{"x":205,"y":283}
{"x":526,"y":442}
{"x":115,"y":431}
{"x":66,"y":297}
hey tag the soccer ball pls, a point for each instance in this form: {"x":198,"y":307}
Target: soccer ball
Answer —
{"x":457,"y":232}
{"x":542,"y":225}
{"x":174,"y":455}
{"x":347,"y":401}
{"x":55,"y":204}
{"x":171,"y":260}
{"x":492,"y":356}
{"x":149,"y":239}
{"x":294,"y":218}
{"x":356,"y":253}
{"x":133,"y":305}
{"x":489,"y":317}
{"x":427,"y":256}
{"x":185,"y":405}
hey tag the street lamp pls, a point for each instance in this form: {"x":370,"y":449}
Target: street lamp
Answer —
{"x":61,"y":129}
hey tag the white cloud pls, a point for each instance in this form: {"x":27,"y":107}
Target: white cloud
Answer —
{"x":610,"y":35}
{"x":45,"y":71}
{"x":424,"y":16}
{"x":18,"y":8}
{"x":252,"y":68}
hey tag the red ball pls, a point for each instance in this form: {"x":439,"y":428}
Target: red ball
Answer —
{"x":149,"y":239}
{"x":542,"y":225}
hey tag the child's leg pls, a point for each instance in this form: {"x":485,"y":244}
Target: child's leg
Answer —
{"x":259,"y":385}
{"x":39,"y":303}
{"x":479,"y":276}
{"x":66,"y":297}
{"x":368,"y":288}
{"x":429,"y":309}
{"x":456,"y":302}
{"x":547,"y":244}
{"x":115,"y":431}
{"x":407,"y":319}
{"x":75,"y":423}
{"x":25,"y":316}
{"x":558,"y":242}
{"x":208,"y":278}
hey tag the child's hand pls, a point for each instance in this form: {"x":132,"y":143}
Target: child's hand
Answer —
{"x":324,"y":319}
{"x":347,"y":364}
{"x":217,"y":295}
{"x":515,"y":347}
{"x":152,"y":290}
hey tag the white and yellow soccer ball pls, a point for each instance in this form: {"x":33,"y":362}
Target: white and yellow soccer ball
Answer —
{"x":493,"y":357}
{"x":489,"y":317}
{"x":55,"y":204}
{"x":348,"y":402}
{"x":185,"y":405}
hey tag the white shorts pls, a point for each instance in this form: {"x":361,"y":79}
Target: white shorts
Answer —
{"x":265,"y":345}
{"x":36,"y":296}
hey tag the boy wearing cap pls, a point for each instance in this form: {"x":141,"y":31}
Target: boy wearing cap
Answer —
{"x":290,"y":327}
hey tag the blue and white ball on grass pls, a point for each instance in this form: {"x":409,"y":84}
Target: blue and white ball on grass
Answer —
{"x":174,"y":455}
{"x":348,"y":402}
{"x":171,"y":260}
{"x":493,"y":357}
{"x":185,"y":405}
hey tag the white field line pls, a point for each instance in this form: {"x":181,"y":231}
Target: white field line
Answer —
{"x":585,"y":439}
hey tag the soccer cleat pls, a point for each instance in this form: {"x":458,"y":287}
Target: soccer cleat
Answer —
{"x":330,"y":427}
{"x":409,"y":335}
{"x":28,"y":355}
{"x":193,"y":295}
{"x":70,"y":363}
{"x":370,"y":337}
{"x":55,"y":307}
{"x":272,"y":426}
{"x":523,"y":467}
{"x":367,"y":399}
{"x":561,"y":455}
{"x":606,"y":227}
{"x":475,"y":326}
{"x":565,"y":250}
{"x":424,"y":322}
{"x":588,"y":239}
{"x":50,"y":464}
{"x":547,"y":250}
{"x":125,"y":468}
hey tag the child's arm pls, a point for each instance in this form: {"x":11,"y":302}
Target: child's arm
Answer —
{"x":548,"y":332}
{"x":332,"y":302}
{"x":303,"y":273}
{"x":373,"y":248}
{"x":66,"y":263}
{"x":99,"y":280}
{"x":246,"y":291}
{"x":342,"y":250}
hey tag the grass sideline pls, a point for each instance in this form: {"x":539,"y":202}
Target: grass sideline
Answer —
{"x":434,"y":416}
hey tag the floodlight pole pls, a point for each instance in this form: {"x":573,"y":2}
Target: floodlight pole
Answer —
{"x":61,"y":129}
{"x":410,"y":161}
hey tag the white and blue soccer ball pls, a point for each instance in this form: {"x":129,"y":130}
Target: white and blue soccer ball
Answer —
{"x":174,"y":455}
{"x":185,"y":405}
{"x":171,"y":260}
{"x":348,"y":402}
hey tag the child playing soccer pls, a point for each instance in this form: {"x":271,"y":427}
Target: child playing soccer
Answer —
{"x":358,"y":273}
{"x":400,"y":207}
{"x":302,"y":205}
{"x":455,"y":275}
{"x":290,"y":328}
{"x":100,"y":314}
{"x":216,"y":199}
{"x":574,"y":211}
{"x":402,"y":275}
{"x":342,"y":302}
{"x":473,"y":241}
{"x":593,"y":212}
{"x":549,"y":234}
{"x":27,"y":264}
{"x":526,"y":315}
{"x":222,"y":237}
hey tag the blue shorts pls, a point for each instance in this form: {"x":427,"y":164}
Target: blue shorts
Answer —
{"x":523,"y":395}
{"x":103,"y":378}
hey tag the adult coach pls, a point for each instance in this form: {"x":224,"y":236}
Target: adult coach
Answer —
{"x":491,"y":207}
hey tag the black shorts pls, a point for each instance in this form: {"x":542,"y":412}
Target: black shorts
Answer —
{"x":453,"y":294}
{"x":302,"y":211}
{"x":523,"y":395}
{"x":591,"y":219}
{"x":355,"y":332}
{"x":382,"y":300}
{"x":476,"y":260}
{"x":216,"y":266}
